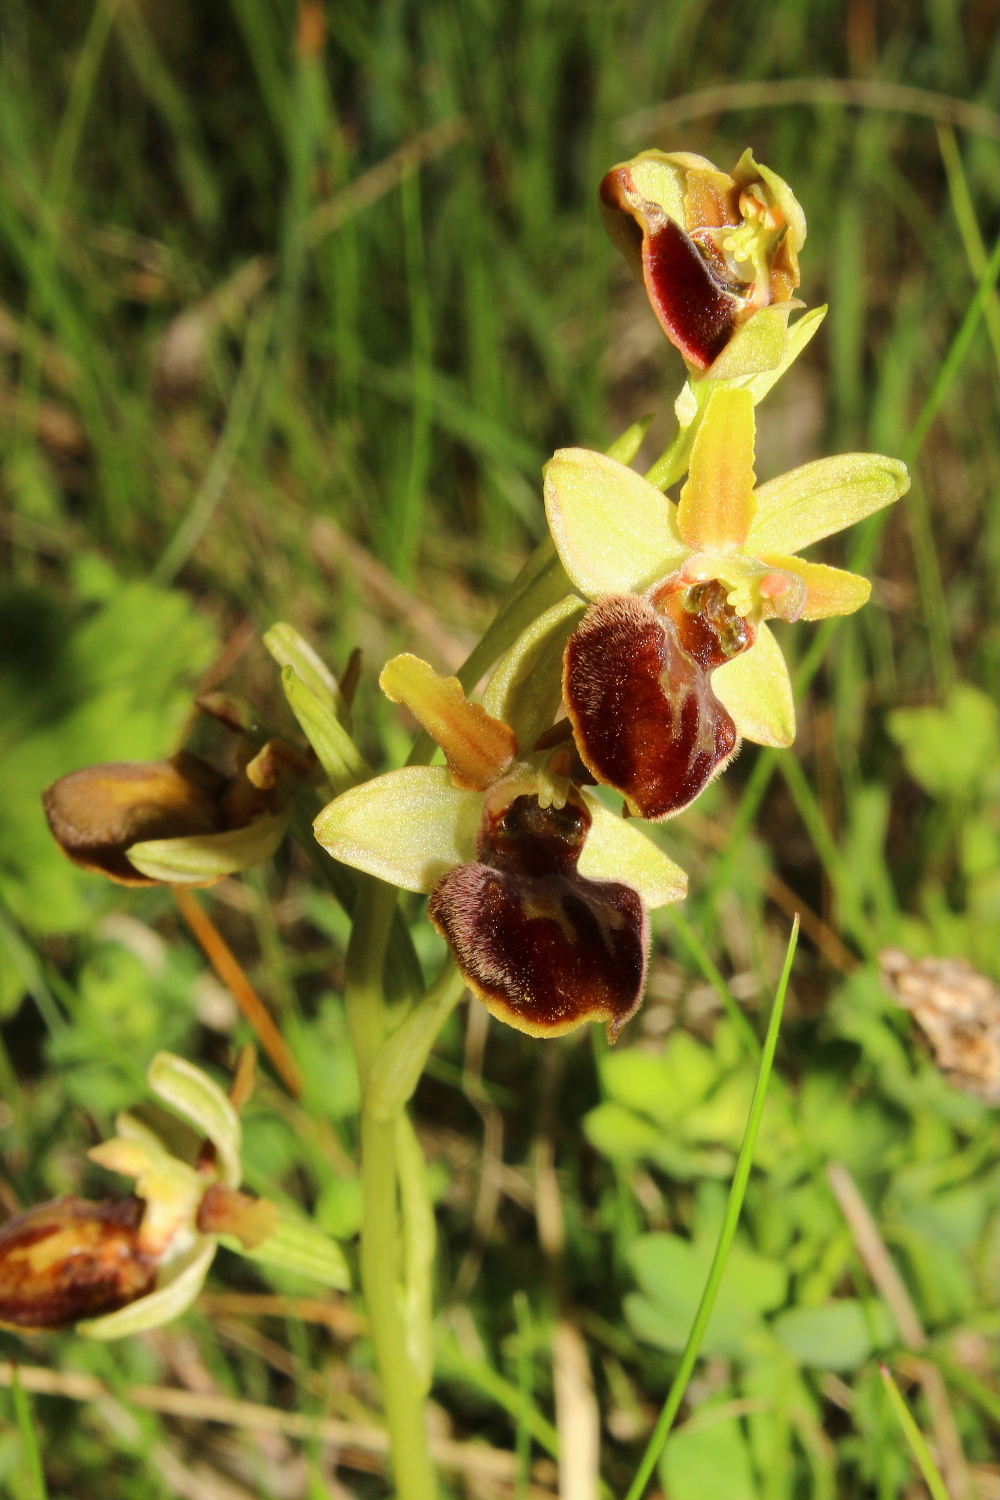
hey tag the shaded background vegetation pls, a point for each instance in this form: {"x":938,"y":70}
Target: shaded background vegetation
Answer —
{"x":295,"y":303}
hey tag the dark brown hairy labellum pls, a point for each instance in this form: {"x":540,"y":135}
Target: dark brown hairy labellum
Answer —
{"x":71,"y":1259}
{"x":637,"y":687}
{"x":95,"y":814}
{"x":542,"y":947}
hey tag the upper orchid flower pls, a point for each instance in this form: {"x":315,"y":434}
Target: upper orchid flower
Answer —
{"x":712,"y":248}
{"x":675,"y":661}
{"x":539,"y":890}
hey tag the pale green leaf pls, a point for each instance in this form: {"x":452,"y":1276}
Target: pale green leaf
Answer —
{"x":335,"y":750}
{"x":838,"y":1335}
{"x":711,"y":1458}
{"x":526,"y":688}
{"x":289,"y":649}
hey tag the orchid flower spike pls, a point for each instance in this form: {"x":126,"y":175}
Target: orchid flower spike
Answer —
{"x":718,"y":253}
{"x":540,"y":891}
{"x":674,"y":660}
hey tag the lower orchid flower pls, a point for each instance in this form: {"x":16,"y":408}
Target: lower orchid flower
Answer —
{"x":126,"y":1264}
{"x":123,"y":1265}
{"x":674,"y":661}
{"x":539,"y":890}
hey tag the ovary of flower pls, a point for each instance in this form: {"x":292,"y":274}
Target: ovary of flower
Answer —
{"x":616,"y":535}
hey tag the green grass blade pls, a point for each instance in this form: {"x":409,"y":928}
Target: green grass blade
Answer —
{"x":29,"y":1438}
{"x":726,"y":1235}
{"x":915,"y":1439}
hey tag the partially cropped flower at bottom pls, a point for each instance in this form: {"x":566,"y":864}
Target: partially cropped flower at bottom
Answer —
{"x":539,"y":890}
{"x":123,"y":1265}
{"x":674,"y":660}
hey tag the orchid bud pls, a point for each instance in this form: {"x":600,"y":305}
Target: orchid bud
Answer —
{"x":712,"y":249}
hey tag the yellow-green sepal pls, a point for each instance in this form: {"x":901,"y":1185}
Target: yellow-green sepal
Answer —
{"x":819,"y":498}
{"x":618,"y":850}
{"x":201,"y":859}
{"x":408,"y":827}
{"x":755,"y":690}
{"x":614,"y":532}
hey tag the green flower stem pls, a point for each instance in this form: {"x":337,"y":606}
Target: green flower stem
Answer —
{"x":396,"y":1070}
{"x":419,"y":1249}
{"x":402,"y":1383}
{"x":673,"y":461}
{"x":364,"y":993}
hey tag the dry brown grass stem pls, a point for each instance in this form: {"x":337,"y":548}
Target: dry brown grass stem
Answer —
{"x":883,"y":1271}
{"x":473,"y":1459}
{"x":866,"y":93}
{"x":232,"y":974}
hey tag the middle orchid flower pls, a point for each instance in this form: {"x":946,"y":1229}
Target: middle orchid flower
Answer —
{"x":674,"y":660}
{"x":539,"y":890}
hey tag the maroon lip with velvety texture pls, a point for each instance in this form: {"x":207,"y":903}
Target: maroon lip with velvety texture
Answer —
{"x":636,"y":684}
{"x":544,"y":948}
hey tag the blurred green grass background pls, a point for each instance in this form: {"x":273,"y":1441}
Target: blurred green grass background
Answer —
{"x":296,"y":300}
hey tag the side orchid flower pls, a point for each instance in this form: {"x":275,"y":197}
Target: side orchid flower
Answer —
{"x":674,"y":661}
{"x":122,"y":1265}
{"x":713,"y":250}
{"x":179,"y":820}
{"x":540,"y":891}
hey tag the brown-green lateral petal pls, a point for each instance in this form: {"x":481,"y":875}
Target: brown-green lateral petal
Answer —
{"x":69,"y":1259}
{"x":544,"y":949}
{"x":636,"y":683}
